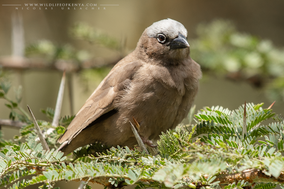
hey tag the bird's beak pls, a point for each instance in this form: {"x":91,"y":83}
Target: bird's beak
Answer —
{"x":179,"y":43}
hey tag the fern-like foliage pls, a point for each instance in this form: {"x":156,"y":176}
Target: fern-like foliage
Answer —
{"x":205,"y":154}
{"x":243,"y":125}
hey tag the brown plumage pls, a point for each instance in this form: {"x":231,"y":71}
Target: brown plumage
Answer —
{"x":155,"y":84}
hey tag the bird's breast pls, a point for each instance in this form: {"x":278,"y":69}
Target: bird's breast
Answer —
{"x":154,"y":99}
{"x":171,"y":78}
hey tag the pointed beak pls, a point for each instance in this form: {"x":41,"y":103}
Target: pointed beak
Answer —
{"x":179,"y":43}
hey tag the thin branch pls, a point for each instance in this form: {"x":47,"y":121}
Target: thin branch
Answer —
{"x":138,"y":138}
{"x":20,"y":63}
{"x":70,"y":92}
{"x":249,"y":175}
{"x":58,"y":105}
{"x":271,"y":105}
{"x":245,"y":121}
{"x":82,"y":185}
{"x":59,"y":102}
{"x":12,"y":124}
{"x":40,"y":135}
{"x":18,"y":41}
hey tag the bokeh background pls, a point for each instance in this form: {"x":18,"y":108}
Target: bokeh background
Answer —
{"x":125,"y":20}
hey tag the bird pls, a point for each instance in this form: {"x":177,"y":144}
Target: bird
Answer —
{"x":154,"y":86}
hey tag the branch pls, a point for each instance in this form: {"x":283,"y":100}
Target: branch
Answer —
{"x":249,"y":175}
{"x":70,"y":92}
{"x":12,"y":124}
{"x":58,"y":106}
{"x":18,"y":40}
{"x":40,"y":135}
{"x":59,"y":102}
{"x":245,"y":121}
{"x":19,"y":63}
{"x":138,"y":138}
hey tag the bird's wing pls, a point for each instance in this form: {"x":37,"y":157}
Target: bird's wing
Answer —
{"x":101,"y":101}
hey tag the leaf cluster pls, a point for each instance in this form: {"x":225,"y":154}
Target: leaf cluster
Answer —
{"x":222,"y":49}
{"x":191,"y":156}
{"x":16,"y":112}
{"x":51,"y":51}
{"x":85,"y":32}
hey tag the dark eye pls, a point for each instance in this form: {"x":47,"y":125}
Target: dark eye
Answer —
{"x":161,"y":38}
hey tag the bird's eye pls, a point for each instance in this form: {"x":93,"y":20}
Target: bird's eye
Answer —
{"x":161,"y":38}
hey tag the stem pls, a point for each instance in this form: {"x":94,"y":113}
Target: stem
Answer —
{"x":24,"y":112}
{"x":18,"y":107}
{"x":40,"y":135}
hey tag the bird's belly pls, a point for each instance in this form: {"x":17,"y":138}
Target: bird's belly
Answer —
{"x":155,"y":108}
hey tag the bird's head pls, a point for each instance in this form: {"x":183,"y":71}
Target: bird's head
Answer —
{"x":165,"y":40}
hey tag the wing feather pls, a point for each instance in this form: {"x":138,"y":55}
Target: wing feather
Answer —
{"x":101,"y":101}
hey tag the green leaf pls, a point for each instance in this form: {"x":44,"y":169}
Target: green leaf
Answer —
{"x":191,"y":185}
{"x":14,"y":104}
{"x":183,"y":160}
{"x":129,"y":182}
{"x":271,"y":151}
{"x":132,"y":175}
{"x":49,"y":112}
{"x":12,"y":115}
{"x":257,"y":106}
{"x":48,"y":175}
{"x":68,"y":175}
{"x":19,"y":94}
{"x":60,"y":130}
{"x":5,"y":86}
{"x":9,"y":106}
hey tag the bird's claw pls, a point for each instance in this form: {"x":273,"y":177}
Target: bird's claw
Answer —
{"x":149,"y":142}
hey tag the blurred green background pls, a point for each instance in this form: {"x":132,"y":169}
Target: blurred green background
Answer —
{"x":241,"y":57}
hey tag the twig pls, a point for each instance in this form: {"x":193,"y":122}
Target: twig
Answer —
{"x":138,"y":138}
{"x":82,"y":185}
{"x":245,"y":121}
{"x":20,"y":63}
{"x":57,"y":106}
{"x":12,"y":124}
{"x":40,"y":135}
{"x":59,"y":102}
{"x":250,"y":175}
{"x":70,"y":92}
{"x":191,"y":114}
{"x":18,"y":42}
{"x":271,"y":105}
